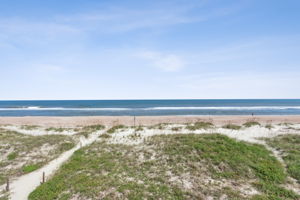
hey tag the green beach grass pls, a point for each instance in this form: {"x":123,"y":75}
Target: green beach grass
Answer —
{"x":21,"y":154}
{"x":199,"y":125}
{"x":116,"y":128}
{"x":251,"y":123}
{"x":169,"y":167}
{"x":232,"y":127}
{"x":87,"y":130}
{"x":289,"y":146}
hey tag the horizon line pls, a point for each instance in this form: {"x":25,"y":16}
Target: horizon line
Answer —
{"x":149,"y":99}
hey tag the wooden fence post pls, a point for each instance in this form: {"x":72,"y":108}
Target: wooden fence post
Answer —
{"x":134,"y":124}
{"x":7,"y":184}
{"x":43,"y":179}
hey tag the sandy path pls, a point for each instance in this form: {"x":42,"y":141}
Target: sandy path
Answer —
{"x":143,"y":120}
{"x":24,"y":185}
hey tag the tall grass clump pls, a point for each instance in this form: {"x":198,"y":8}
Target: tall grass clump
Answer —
{"x":115,"y":128}
{"x":199,"y":125}
{"x":232,"y":127}
{"x":251,"y":123}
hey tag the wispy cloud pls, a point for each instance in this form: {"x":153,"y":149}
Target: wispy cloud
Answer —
{"x":163,"y":61}
{"x":122,"y":19}
{"x":112,"y":20}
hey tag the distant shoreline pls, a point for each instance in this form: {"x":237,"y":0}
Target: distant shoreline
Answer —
{"x":57,"y":121}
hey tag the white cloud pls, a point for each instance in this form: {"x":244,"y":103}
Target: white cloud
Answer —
{"x":166,"y":62}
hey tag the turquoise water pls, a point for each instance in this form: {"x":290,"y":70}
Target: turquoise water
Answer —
{"x":150,"y":107}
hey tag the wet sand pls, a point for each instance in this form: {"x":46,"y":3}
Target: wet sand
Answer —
{"x":144,"y":120}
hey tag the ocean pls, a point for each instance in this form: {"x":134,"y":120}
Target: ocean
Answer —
{"x":150,"y":107}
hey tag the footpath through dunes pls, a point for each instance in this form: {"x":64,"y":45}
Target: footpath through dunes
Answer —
{"x":21,"y":154}
{"x":21,"y":187}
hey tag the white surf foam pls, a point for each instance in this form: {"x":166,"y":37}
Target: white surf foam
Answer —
{"x":156,"y":108}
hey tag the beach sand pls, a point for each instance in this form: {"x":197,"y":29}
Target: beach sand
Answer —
{"x":144,"y":120}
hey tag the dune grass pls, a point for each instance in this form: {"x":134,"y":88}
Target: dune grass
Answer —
{"x":105,"y":136}
{"x":176,"y":128}
{"x":232,"y":127}
{"x":168,"y":167}
{"x":199,"y":125}
{"x":12,"y":156}
{"x":289,"y":145}
{"x":29,"y":127}
{"x":21,"y":154}
{"x":159,"y":126}
{"x":115,"y":128}
{"x":58,"y":129}
{"x":251,"y":123}
{"x":139,"y":128}
{"x":269,"y":126}
{"x":87,"y":130}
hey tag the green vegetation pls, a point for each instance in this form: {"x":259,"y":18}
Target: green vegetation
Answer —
{"x":65,"y":146}
{"x":269,"y":126}
{"x":292,"y":128}
{"x":285,"y":124}
{"x":30,"y":168}
{"x":93,"y":128}
{"x":139,"y":128}
{"x":176,"y":128}
{"x":168,"y":167}
{"x":160,"y":126}
{"x":20,"y":154}
{"x":115,"y":128}
{"x":29,"y":127}
{"x":199,"y":125}
{"x":60,"y":129}
{"x":289,"y":145}
{"x":135,"y":136}
{"x":87,"y":130}
{"x":12,"y":156}
{"x":232,"y":126}
{"x":251,"y":123}
{"x":105,"y":136}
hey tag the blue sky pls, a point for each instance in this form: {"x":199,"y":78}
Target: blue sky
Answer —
{"x":130,"y":49}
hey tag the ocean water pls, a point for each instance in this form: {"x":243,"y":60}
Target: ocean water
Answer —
{"x":150,"y":107}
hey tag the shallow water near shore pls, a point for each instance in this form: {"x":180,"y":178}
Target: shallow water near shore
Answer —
{"x":150,"y":107}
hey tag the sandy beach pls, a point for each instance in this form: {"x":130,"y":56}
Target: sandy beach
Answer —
{"x":144,"y":120}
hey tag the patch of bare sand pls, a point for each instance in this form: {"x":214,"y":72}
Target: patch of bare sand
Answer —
{"x":145,"y":120}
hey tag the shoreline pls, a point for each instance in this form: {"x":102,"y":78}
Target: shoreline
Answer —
{"x":73,"y":121}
